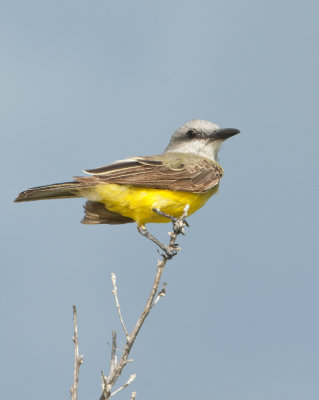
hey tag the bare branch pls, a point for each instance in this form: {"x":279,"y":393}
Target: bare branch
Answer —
{"x":113,"y":354}
{"x":130,"y":380}
{"x":104,"y":380}
{"x":78,"y":360}
{"x":114,"y":291}
{"x":178,"y":228}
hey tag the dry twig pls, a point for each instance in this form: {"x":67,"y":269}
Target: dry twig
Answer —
{"x":78,"y":360}
{"x":114,"y":291}
{"x":113,"y":355}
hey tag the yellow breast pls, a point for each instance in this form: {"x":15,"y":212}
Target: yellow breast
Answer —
{"x":138,"y":203}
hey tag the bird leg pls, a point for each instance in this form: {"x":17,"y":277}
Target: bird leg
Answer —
{"x":169,"y":251}
{"x":178,"y":227}
{"x":178,"y":223}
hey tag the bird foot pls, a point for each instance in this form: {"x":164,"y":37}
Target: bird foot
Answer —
{"x":178,"y":223}
{"x":169,"y":251}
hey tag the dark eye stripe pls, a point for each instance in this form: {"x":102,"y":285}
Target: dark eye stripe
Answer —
{"x":191,"y":134}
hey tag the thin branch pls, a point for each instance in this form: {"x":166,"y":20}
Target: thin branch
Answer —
{"x":108,"y":383}
{"x":78,"y":360}
{"x":114,"y":291}
{"x":129,"y":381}
{"x":104,"y":380}
{"x":133,"y":395}
{"x":113,"y":354}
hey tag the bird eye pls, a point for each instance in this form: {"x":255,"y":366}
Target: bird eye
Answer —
{"x":191,"y":133}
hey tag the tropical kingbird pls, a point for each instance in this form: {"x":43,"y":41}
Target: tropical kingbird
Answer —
{"x":130,"y":190}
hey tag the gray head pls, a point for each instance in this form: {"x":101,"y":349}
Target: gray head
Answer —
{"x":199,"y":137}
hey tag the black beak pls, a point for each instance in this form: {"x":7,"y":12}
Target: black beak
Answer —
{"x":223,"y":134}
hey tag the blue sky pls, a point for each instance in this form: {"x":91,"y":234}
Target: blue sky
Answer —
{"x":86,"y":83}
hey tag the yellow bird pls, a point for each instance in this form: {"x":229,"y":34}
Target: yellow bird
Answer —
{"x":131,"y":190}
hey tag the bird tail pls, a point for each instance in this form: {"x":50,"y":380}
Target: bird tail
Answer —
{"x":63,"y":190}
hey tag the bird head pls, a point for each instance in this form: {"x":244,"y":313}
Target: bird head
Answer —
{"x":199,"y":137}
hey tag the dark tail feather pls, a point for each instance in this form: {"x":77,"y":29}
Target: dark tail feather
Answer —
{"x":56,"y":191}
{"x":96,"y":213}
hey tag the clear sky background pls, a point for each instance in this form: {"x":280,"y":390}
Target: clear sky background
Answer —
{"x":85,"y":83}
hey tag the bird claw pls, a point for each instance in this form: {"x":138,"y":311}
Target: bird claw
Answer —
{"x":169,"y":251}
{"x":178,"y":223}
{"x":179,"y":226}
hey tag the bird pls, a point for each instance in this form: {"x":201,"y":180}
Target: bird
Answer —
{"x":149,"y":189}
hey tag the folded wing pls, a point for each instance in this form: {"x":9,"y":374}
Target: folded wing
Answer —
{"x":177,"y":171}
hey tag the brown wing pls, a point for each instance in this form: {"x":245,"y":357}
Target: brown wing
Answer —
{"x":96,"y":213}
{"x":173,"y":171}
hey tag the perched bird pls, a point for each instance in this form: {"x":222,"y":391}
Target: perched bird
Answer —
{"x":135,"y":189}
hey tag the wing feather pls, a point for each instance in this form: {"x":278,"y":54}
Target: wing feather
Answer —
{"x":173,"y":172}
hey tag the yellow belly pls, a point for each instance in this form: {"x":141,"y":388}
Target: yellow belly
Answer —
{"x":138,"y":203}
